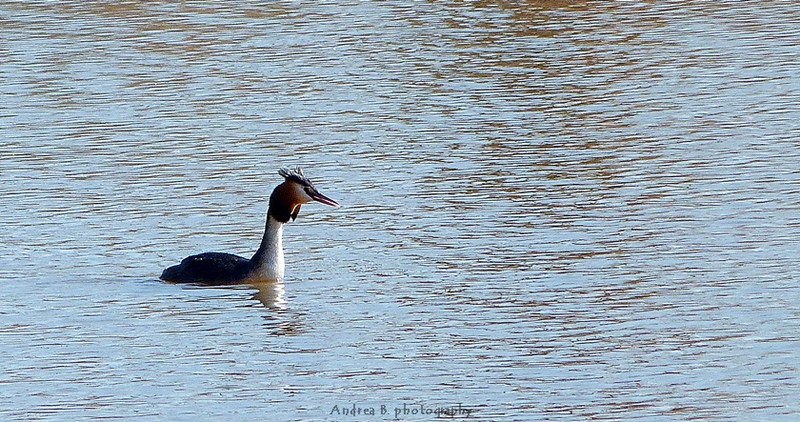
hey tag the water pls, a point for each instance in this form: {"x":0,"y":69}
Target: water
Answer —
{"x":552,"y":210}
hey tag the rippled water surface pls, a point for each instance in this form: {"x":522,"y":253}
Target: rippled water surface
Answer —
{"x":552,"y":210}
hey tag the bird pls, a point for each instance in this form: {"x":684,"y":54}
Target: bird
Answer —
{"x":267,"y":264}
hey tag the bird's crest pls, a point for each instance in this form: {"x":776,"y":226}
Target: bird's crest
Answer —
{"x":295,"y":175}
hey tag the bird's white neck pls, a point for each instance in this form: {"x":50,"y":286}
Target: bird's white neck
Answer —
{"x":268,"y":260}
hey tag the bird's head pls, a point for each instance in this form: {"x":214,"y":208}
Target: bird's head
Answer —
{"x":296,"y":190}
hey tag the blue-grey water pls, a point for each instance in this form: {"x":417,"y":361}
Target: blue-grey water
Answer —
{"x":552,"y":210}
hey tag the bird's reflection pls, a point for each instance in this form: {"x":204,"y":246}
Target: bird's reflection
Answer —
{"x":281,"y":320}
{"x":271,"y":294}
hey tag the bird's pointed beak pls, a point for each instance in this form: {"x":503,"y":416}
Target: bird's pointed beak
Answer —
{"x":323,"y":199}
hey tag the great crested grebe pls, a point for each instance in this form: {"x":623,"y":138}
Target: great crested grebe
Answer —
{"x":215,"y":268}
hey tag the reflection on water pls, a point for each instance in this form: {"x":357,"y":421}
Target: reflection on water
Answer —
{"x":552,"y":210}
{"x":271,"y":295}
